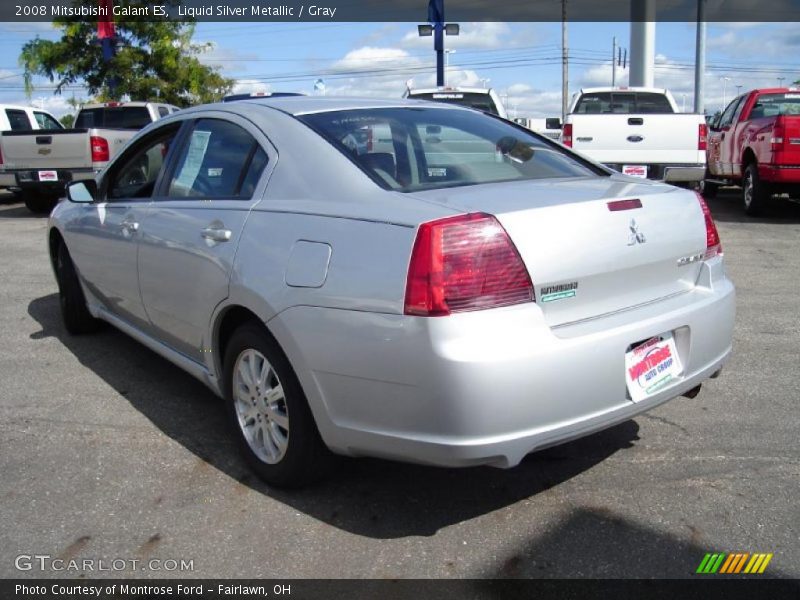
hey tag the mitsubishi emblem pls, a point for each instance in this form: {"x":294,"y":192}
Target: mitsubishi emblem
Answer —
{"x":635,"y":236}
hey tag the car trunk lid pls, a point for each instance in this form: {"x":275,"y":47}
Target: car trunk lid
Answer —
{"x":587,"y":253}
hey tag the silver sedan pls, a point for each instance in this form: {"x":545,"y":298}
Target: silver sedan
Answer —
{"x":395,"y":279}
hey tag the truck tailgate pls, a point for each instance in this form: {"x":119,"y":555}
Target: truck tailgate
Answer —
{"x":46,"y":149}
{"x":638,"y":138}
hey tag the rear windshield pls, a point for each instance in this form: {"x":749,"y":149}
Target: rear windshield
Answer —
{"x":772,"y":105}
{"x":114,"y":117}
{"x":478,"y":101}
{"x":624,"y":103}
{"x":410,"y":149}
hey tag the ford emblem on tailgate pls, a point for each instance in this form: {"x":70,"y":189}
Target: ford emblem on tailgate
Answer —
{"x":635,"y":138}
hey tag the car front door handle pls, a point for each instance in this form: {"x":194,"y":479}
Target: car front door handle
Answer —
{"x":215,"y":234}
{"x":129,"y":226}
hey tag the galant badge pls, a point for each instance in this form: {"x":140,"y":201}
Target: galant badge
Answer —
{"x":635,"y":236}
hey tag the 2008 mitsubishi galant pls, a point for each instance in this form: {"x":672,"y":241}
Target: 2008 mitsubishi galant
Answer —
{"x":395,"y":279}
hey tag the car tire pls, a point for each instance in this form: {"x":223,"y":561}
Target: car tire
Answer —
{"x":708,"y":189}
{"x":755,"y":193}
{"x":269,"y":412}
{"x":37,"y":203}
{"x":77,"y":318}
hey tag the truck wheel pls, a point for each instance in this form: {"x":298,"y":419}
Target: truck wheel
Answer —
{"x":38,"y":203}
{"x":754,"y":192}
{"x":708,"y":189}
{"x":77,"y":318}
{"x":269,"y":412}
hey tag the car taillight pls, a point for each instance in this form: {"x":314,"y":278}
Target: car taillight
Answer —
{"x":702,"y":136}
{"x":566,"y":135}
{"x":713,"y":243}
{"x":776,"y":139}
{"x":99,"y":146}
{"x":464,"y":263}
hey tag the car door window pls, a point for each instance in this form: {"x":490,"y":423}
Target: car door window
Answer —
{"x":219,"y":160}
{"x":727,"y":117}
{"x":163,"y":111}
{"x":18,"y":120}
{"x":45,"y":121}
{"x":139,"y":168}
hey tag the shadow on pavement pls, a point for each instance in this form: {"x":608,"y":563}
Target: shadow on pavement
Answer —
{"x":373,"y":498}
{"x":595,"y":542}
{"x":728,"y":207}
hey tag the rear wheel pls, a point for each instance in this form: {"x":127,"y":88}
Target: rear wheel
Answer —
{"x":708,"y":189}
{"x":77,"y":318}
{"x":269,"y":412}
{"x":754,"y":192}
{"x":37,"y":202}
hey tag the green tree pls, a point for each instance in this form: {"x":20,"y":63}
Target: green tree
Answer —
{"x":67,"y":120}
{"x":155,"y":60}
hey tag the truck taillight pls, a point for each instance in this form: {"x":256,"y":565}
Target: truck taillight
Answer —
{"x":776,"y":139}
{"x":713,"y":243}
{"x":99,"y":146}
{"x":566,"y":135}
{"x":464,"y":263}
{"x":1,"y":157}
{"x":702,"y":136}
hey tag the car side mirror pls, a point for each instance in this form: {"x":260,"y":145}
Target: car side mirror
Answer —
{"x":552,"y":123}
{"x":82,"y":191}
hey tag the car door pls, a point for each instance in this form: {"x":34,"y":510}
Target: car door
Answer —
{"x":192,"y":230}
{"x":104,"y":240}
{"x":725,"y":137}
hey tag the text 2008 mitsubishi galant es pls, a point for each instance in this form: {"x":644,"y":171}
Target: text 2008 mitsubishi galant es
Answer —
{"x":396,"y":279}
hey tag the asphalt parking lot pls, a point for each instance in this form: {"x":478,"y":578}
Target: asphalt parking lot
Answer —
{"x":109,"y":452}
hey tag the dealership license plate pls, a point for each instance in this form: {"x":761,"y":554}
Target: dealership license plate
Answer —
{"x":635,"y":171}
{"x":651,"y":366}
{"x":48,"y":175}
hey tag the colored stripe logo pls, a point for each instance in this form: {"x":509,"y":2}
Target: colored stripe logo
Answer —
{"x":734,"y":563}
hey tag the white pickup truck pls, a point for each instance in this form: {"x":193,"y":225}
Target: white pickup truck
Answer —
{"x":38,"y":164}
{"x":638,"y":131}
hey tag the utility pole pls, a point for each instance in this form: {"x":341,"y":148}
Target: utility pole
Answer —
{"x":700,"y":59}
{"x":564,"y":62}
{"x":614,"y":61}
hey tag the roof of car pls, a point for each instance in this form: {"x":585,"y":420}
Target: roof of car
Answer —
{"x":300,"y":105}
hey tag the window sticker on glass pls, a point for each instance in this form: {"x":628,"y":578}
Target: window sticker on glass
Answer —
{"x":215,"y":171}
{"x":198,"y":145}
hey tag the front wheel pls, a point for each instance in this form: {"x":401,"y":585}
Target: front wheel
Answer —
{"x":269,"y":412}
{"x":754,"y":191}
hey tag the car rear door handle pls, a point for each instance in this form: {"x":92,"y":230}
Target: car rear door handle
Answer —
{"x":215,"y":234}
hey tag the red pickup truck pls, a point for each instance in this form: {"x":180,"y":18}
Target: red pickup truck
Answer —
{"x":755,"y":143}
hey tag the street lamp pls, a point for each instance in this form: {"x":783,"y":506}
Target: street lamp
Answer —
{"x":725,"y":81}
{"x":447,"y":54}
{"x":738,"y":89}
{"x":780,"y":81}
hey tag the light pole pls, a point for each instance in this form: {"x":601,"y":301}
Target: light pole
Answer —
{"x":485,"y":82}
{"x":780,"y":81}
{"x":738,"y":89}
{"x":683,"y":102}
{"x":725,"y":81}
{"x":447,"y":54}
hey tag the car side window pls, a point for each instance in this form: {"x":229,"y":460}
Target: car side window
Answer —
{"x":219,"y":160}
{"x":45,"y":121}
{"x":163,"y":111}
{"x":138,"y":170}
{"x":727,"y":117}
{"x":18,"y":120}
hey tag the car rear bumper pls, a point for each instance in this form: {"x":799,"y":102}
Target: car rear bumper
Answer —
{"x":489,"y":387}
{"x":28,"y":179}
{"x":669,"y":173}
